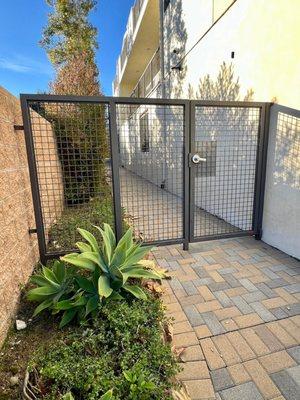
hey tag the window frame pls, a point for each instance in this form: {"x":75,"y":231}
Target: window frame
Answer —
{"x":144,"y":132}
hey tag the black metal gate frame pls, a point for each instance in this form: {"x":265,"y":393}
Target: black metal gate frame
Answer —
{"x":188,"y":137}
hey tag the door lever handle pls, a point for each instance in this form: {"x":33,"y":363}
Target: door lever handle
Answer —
{"x":197,"y":159}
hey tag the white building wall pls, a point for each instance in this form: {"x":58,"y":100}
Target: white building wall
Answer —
{"x":281,"y":218}
{"x":162,"y":164}
{"x":264,"y":37}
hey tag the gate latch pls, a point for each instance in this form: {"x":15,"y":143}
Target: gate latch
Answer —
{"x":197,"y":159}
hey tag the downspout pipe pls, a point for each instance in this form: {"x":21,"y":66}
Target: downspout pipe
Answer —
{"x":163,"y":88}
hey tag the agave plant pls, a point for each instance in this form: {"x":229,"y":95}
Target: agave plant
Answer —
{"x":53,"y":285}
{"x":112,"y":265}
{"x":110,"y":268}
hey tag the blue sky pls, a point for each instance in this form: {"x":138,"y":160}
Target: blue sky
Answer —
{"x":24,"y":67}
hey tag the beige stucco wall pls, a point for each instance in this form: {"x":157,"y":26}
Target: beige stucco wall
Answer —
{"x":18,"y":249}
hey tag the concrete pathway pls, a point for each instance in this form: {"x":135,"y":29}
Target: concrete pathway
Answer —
{"x":236,"y":310}
{"x":156,"y":214}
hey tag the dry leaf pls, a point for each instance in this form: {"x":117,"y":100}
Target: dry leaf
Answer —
{"x":178,"y":351}
{"x":169,"y":332}
{"x":181,"y":394}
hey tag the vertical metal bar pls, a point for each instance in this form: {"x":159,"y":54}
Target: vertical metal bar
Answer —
{"x":264,"y":166}
{"x":36,"y":198}
{"x":192,"y":170}
{"x":186,"y":177}
{"x":162,"y":49}
{"x":115,"y":164}
{"x":261,"y":170}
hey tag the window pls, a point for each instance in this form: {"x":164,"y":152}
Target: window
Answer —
{"x":144,"y":132}
{"x":166,"y":4}
{"x":207,"y":150}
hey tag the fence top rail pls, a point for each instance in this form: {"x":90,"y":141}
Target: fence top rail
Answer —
{"x":137,"y":101}
{"x":101,"y":99}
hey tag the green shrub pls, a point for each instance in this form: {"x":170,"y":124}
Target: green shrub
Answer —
{"x":109,"y":272}
{"x":114,"y":264}
{"x":63,"y":234}
{"x":123,"y":350}
{"x":82,"y":145}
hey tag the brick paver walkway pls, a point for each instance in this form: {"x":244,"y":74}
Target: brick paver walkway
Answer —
{"x":236,"y":305}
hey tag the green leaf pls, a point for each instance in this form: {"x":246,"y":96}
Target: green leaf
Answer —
{"x":136,"y":291}
{"x":64,"y":305}
{"x":115,"y":296}
{"x":50,"y":275}
{"x":40,"y":293}
{"x":40,"y":280}
{"x":92,"y":304}
{"x":136,"y":272}
{"x":59,"y":270}
{"x":136,"y":255}
{"x":45,"y":304}
{"x":126,"y":239}
{"x":90,"y":238}
{"x":83,"y":247}
{"x":104,"y":288}
{"x":79,"y":261}
{"x":70,"y":303}
{"x":119,"y":255}
{"x":85,"y":284}
{"x":128,"y":376}
{"x":107,"y":245}
{"x":111,"y":235}
{"x":68,"y":396}
{"x":95,"y":258}
{"x":148,"y":385}
{"x":107,"y":396}
{"x":67,"y":317}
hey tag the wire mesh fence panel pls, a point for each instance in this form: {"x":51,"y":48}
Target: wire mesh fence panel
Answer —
{"x":226,"y":139}
{"x":157,"y":188}
{"x":151,"y":139}
{"x":71,"y":148}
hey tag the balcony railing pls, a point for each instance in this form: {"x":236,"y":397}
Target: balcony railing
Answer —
{"x":150,"y":78}
{"x":132,"y":22}
{"x":136,"y":10}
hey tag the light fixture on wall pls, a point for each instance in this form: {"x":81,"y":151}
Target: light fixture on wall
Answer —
{"x":177,"y":67}
{"x":232,"y":54}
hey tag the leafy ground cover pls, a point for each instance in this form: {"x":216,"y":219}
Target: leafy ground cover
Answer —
{"x":114,"y":348}
{"x":123,"y":342}
{"x":63,"y":234}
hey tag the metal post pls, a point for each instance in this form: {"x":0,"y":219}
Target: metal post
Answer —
{"x":36,"y":198}
{"x":115,"y":164}
{"x":186,"y":177}
{"x":192,"y":171}
{"x":261,"y":170}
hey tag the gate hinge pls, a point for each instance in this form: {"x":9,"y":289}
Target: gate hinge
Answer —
{"x":32,"y":230}
{"x":19,"y":127}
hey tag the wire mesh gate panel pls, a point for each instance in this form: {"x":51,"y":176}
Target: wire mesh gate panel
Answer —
{"x":68,"y":148}
{"x":224,"y":169}
{"x":175,"y":170}
{"x":151,"y":146}
{"x":98,"y":159}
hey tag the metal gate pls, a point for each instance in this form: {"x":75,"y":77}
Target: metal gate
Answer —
{"x":177,"y":171}
{"x":228,"y":161}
